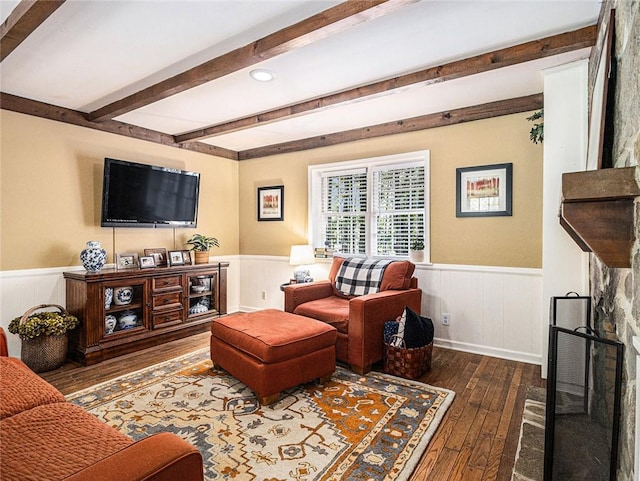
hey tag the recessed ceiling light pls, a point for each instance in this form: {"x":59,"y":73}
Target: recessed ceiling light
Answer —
{"x":262,"y":75}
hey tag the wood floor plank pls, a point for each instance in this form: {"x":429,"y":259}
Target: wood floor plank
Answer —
{"x":476,"y":440}
{"x":494,"y":460}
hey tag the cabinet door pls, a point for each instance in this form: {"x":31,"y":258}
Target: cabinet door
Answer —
{"x":203,"y":294}
{"x":125,"y":308}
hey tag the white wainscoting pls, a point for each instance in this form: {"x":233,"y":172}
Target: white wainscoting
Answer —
{"x":494,"y":311}
{"x":21,"y":290}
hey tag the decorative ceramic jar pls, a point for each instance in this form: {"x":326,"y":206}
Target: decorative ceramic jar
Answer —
{"x":122,"y":295}
{"x":110,"y":324}
{"x":127,"y":320}
{"x":198,"y":309}
{"x":93,"y":257}
{"x":108,"y":297}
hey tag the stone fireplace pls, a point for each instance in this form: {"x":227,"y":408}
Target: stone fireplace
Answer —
{"x":616,"y":291}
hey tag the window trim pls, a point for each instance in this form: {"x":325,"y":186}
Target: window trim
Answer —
{"x":316,"y":172}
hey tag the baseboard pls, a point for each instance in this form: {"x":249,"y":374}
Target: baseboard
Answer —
{"x":463,"y":346}
{"x":249,"y":309}
{"x":489,"y":351}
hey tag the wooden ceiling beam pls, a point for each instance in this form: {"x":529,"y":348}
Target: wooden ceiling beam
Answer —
{"x":545,"y":47}
{"x":319,"y":26}
{"x":423,"y":122}
{"x":61,"y":114}
{"x":22,"y":21}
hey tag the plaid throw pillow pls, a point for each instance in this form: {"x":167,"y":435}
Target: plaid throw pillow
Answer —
{"x":358,"y":277}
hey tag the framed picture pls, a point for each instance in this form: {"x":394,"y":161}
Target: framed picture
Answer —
{"x":186,"y":258}
{"x":484,"y":191}
{"x":175,"y":258}
{"x":147,"y":261}
{"x":128,"y":260}
{"x":271,"y":203}
{"x":204,"y":281}
{"x":603,"y":84}
{"x":159,"y":255}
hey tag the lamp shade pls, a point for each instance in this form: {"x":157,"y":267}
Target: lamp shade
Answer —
{"x":301,"y":255}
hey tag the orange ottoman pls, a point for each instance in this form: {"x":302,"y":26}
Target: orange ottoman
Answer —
{"x":271,"y":350}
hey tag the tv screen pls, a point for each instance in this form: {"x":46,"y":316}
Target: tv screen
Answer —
{"x":141,"y":195}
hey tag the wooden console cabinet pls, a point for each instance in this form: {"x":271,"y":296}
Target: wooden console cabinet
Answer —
{"x":163,"y":304}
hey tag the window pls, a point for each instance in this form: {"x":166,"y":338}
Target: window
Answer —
{"x":371,"y":207}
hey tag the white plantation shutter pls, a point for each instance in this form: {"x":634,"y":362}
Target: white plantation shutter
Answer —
{"x":398,"y":208}
{"x":370,"y":207}
{"x":344,"y":208}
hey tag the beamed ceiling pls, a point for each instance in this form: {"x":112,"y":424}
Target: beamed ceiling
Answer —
{"x":177,"y":72}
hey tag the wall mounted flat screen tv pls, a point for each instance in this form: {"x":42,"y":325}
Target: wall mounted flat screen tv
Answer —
{"x":141,"y":195}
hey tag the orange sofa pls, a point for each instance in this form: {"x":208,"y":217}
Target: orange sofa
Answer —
{"x":359,"y":320}
{"x":42,"y":436}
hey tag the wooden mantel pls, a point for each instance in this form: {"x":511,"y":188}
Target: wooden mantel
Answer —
{"x":598,"y":212}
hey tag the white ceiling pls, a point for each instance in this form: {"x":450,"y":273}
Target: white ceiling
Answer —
{"x":90,"y":53}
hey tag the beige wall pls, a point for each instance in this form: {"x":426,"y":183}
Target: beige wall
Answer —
{"x":51,"y":187}
{"x":51,"y":182}
{"x":514,"y":241}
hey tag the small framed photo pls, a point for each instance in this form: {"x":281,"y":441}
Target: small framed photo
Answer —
{"x":484,"y":191}
{"x":271,"y":203}
{"x":175,"y":258}
{"x":127,"y":260}
{"x":186,"y":258}
{"x":146,"y":262}
{"x":159,"y":255}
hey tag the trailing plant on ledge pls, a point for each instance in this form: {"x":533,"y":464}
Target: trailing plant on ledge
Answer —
{"x":537,"y":131}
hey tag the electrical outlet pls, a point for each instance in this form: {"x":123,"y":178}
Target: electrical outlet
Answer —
{"x":446,"y":319}
{"x":264,"y":295}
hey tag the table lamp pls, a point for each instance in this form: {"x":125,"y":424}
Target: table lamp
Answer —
{"x":301,"y":255}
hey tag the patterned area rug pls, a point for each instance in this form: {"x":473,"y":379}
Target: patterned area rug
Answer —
{"x":372,"y":427}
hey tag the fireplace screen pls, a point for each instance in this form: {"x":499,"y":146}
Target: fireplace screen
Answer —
{"x":583,"y":406}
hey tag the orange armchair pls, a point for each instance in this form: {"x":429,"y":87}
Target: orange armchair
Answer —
{"x":359,"y":320}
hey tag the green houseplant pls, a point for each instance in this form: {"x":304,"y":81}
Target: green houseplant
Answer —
{"x":416,"y":249}
{"x":43,"y":336}
{"x":201,"y":245}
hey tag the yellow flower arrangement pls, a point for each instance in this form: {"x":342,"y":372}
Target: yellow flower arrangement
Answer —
{"x":43,"y":323}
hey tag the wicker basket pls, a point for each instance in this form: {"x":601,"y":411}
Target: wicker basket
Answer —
{"x":405,"y":362}
{"x":44,"y":353}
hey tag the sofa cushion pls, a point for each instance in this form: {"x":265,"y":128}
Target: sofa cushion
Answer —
{"x":54,"y":441}
{"x":332,"y":310}
{"x":397,"y":275}
{"x":21,"y":389}
{"x":272,"y":335}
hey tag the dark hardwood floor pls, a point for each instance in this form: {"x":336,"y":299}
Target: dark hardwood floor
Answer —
{"x":477,"y":439}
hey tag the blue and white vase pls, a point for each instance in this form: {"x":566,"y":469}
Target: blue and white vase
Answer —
{"x":123,"y":296}
{"x":127,"y":320}
{"x":110,"y":322}
{"x":93,"y":257}
{"x":108,"y":297}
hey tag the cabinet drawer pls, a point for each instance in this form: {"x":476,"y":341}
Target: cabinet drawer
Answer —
{"x":166,"y":282}
{"x":166,"y":301}
{"x":168,"y":318}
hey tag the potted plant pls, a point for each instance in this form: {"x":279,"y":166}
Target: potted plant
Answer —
{"x":416,"y":249}
{"x":201,"y":245}
{"x":43,"y":336}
